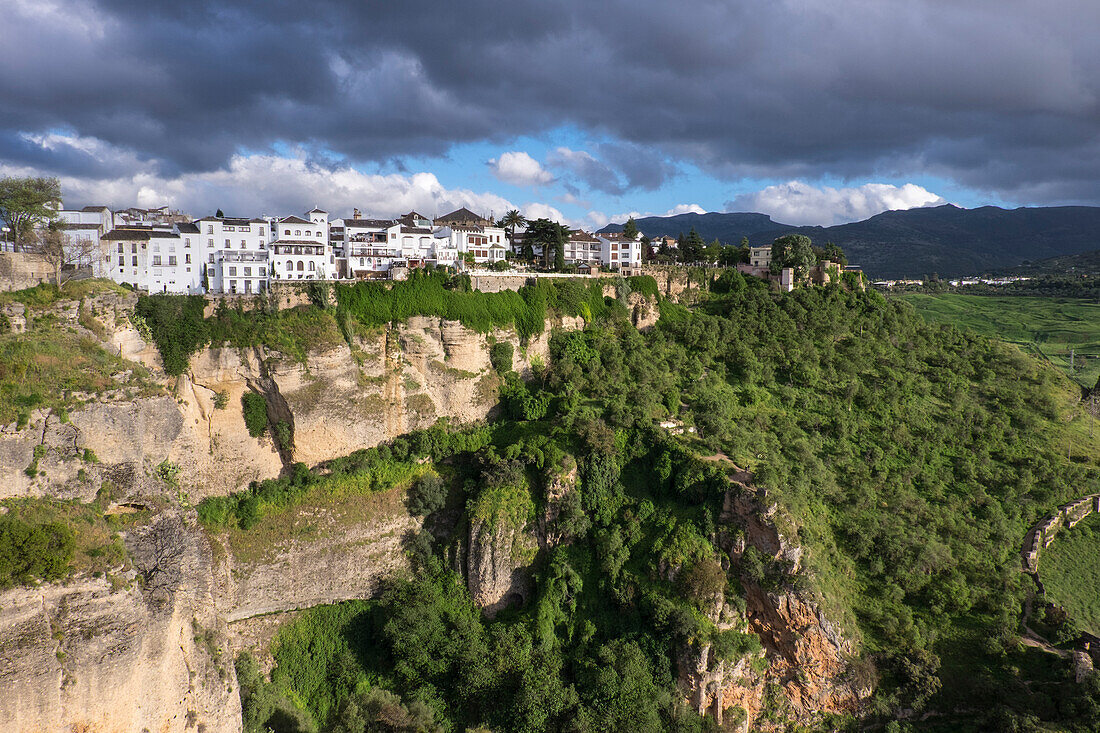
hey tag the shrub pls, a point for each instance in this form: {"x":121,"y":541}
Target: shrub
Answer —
{"x":427,"y":496}
{"x":221,"y":400}
{"x":254,"y":407}
{"x":500,"y":356}
{"x":33,"y":551}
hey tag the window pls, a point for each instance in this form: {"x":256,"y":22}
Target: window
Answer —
{"x":248,"y":272}
{"x":297,"y":232}
{"x":261,"y":231}
{"x":133,"y":248}
{"x":286,"y":231}
{"x":120,"y":247}
{"x":187,"y":243}
{"x":227,"y":245}
{"x":210,"y":230}
{"x":312,"y":267}
{"x":243,"y":244}
{"x":187,"y":258}
{"x":156,"y":260}
{"x":121,"y":261}
{"x":171,"y":260}
{"x":232,"y":271}
{"x":211,"y":258}
{"x":263,"y":271}
{"x":135,"y":260}
{"x":301,"y":266}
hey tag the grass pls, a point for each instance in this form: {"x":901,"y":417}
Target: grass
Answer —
{"x":44,"y":366}
{"x":44,"y":295}
{"x":98,"y":546}
{"x":1047,"y":327}
{"x":325,"y":508}
{"x":1070,"y":569}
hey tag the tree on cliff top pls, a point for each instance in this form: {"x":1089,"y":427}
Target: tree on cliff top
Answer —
{"x":794,"y":251}
{"x":25,"y":202}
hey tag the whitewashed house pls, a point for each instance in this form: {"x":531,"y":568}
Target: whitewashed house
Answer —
{"x":301,"y":250}
{"x":84,"y":230}
{"x":152,"y":259}
{"x":236,"y":253}
{"x":618,"y":251}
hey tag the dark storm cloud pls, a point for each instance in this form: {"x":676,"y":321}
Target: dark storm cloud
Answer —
{"x":998,"y":96}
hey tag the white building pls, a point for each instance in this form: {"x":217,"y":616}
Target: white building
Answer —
{"x":367,"y":249}
{"x":85,"y":228}
{"x":236,"y":253}
{"x":471,"y":234}
{"x":582,"y":248}
{"x":156,"y":259}
{"x":618,"y":251}
{"x":301,"y":249}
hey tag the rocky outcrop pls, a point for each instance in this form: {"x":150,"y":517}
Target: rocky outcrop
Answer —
{"x":319,"y":555}
{"x":808,"y":656}
{"x":499,"y":547}
{"x":147,"y":655}
{"x":643,"y":311}
{"x":497,"y":559}
{"x":340,"y":400}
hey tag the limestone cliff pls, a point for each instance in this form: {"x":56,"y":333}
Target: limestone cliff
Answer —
{"x":311,"y":555}
{"x":808,"y":657}
{"x":395,"y":379}
{"x":150,"y":655}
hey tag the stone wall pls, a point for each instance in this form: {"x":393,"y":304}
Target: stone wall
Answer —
{"x":20,"y":270}
{"x":1043,"y":533}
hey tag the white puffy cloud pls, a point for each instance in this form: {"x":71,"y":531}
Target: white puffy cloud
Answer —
{"x":519,"y":169}
{"x":797,"y":202}
{"x":685,"y":209}
{"x":270,"y":184}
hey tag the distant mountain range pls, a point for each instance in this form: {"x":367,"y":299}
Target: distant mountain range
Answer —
{"x":946,"y":240}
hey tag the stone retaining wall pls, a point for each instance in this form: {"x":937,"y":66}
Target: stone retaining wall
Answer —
{"x":1046,"y":529}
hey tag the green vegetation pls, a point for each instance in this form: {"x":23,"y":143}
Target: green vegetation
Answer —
{"x":45,"y":295}
{"x":500,"y":356}
{"x":1048,"y":327}
{"x":179,"y":329}
{"x":45,"y":366}
{"x":1070,"y":570}
{"x":254,"y":408}
{"x":432,"y":293}
{"x":48,"y":539}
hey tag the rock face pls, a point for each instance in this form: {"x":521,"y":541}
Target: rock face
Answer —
{"x":339,"y":401}
{"x":807,"y":655}
{"x":324,"y":556}
{"x":85,"y":656}
{"x":497,"y":559}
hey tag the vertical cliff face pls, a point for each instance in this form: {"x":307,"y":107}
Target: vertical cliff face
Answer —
{"x":807,"y":655}
{"x":338,"y":401}
{"x":87,"y":656}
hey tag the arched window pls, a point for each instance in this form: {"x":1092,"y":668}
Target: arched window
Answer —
{"x":300,"y":266}
{"x":297,"y":232}
{"x":312,"y":267}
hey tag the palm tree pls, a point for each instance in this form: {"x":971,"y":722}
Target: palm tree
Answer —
{"x":510,"y":221}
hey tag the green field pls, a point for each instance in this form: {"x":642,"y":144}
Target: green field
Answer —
{"x":1049,"y":327}
{"x":1070,"y":570}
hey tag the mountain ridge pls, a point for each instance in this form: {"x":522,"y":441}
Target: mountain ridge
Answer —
{"x":946,"y":239}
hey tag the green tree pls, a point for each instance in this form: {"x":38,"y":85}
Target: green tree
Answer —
{"x":794,"y":251}
{"x":551,"y":237}
{"x":691,"y":249}
{"x":510,"y":221}
{"x":27,"y":202}
{"x":630,"y":229}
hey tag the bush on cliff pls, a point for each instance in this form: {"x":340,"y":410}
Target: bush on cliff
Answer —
{"x":254,"y":407}
{"x":31,"y":552}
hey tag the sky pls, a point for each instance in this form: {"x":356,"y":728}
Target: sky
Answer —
{"x":811,"y":111}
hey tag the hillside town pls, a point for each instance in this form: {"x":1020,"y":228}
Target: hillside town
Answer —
{"x":162,"y":250}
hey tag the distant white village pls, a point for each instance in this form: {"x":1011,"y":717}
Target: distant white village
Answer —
{"x":160,"y":250}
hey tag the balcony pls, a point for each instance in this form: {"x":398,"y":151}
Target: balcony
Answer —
{"x":229,"y":256}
